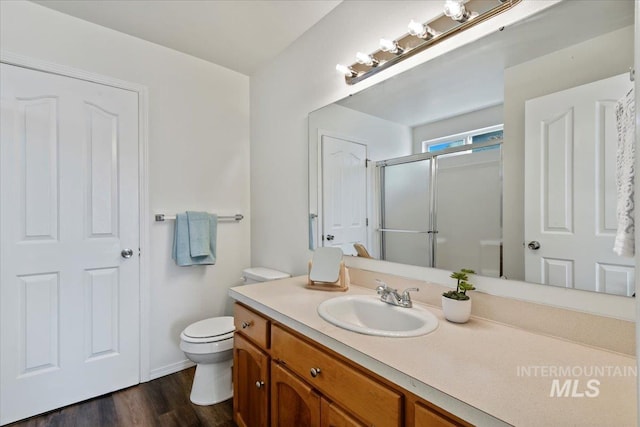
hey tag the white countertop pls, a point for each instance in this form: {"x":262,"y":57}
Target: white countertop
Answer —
{"x":484,"y":372}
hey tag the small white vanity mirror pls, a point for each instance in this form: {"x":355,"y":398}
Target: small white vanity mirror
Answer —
{"x":326,"y":265}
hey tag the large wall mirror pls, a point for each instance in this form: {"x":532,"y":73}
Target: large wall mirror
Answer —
{"x":498,"y":156}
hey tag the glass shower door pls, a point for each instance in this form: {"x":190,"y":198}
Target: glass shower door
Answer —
{"x":469,"y":210}
{"x":405,"y":204}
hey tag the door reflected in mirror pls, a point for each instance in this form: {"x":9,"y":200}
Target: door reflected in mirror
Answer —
{"x":538,"y":205}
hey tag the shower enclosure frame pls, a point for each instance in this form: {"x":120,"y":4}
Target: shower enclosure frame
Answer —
{"x":433,"y":189}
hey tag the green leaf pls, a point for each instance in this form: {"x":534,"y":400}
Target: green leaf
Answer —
{"x":459,"y":276}
{"x":467,"y":286}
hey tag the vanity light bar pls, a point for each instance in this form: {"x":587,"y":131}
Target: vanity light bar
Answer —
{"x":393,"y":51}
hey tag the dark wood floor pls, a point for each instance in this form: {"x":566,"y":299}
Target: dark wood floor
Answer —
{"x":162,"y":402}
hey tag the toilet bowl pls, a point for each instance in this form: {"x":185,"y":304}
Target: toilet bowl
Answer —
{"x":209,"y":344}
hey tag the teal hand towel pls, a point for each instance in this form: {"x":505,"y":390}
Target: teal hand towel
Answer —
{"x":198,"y":223}
{"x":181,"y":251}
{"x":213,"y":235}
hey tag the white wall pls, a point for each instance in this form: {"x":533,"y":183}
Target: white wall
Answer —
{"x":198,"y":154}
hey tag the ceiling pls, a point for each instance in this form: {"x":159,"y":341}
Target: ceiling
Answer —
{"x":239,"y":35}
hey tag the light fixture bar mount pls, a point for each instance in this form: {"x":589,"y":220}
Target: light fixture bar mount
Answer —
{"x":409,"y":44}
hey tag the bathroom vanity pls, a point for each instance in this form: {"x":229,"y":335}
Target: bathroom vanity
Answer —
{"x":312,"y":385}
{"x":291,"y":367}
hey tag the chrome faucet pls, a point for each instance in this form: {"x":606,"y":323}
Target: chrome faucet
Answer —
{"x":391,"y":296}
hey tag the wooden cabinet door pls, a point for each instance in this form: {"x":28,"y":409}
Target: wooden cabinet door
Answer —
{"x":333,"y":416}
{"x":425,"y":416}
{"x":293,"y":402}
{"x":250,"y":384}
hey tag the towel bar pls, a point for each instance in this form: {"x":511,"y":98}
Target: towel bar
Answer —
{"x":236,"y":217}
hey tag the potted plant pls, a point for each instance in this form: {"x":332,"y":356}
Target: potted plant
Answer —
{"x":456,"y":305}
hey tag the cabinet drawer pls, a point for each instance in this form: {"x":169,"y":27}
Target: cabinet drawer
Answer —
{"x":363,"y":396}
{"x":252,"y":325}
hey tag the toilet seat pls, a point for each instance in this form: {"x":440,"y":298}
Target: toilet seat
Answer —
{"x":209,"y":330}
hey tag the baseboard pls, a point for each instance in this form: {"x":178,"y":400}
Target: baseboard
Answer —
{"x":170,"y":369}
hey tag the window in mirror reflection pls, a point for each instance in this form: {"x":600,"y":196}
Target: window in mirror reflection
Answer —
{"x":466,"y":138}
{"x":439,"y":146}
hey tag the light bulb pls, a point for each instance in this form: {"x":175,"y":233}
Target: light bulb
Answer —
{"x":390,"y":46}
{"x":347,"y":71}
{"x":416,"y":29}
{"x":455,"y":10}
{"x":420,"y":30}
{"x":364,"y":59}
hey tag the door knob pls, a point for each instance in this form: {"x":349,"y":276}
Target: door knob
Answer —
{"x":330,"y":236}
{"x":534,"y":245}
{"x":127,"y":253}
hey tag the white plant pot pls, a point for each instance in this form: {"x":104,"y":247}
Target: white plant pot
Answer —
{"x":455,"y":310}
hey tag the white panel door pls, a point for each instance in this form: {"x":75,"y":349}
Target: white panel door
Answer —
{"x":344,"y":193}
{"x":69,"y":309}
{"x":570,"y":204}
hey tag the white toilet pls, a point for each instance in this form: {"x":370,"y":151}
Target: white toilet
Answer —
{"x":209,"y":344}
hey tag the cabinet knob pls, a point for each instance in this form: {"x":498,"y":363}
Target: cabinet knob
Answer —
{"x":315,"y":372}
{"x":259,"y":384}
{"x":245,"y":325}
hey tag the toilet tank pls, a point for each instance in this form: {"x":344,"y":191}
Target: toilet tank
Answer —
{"x":262,"y":274}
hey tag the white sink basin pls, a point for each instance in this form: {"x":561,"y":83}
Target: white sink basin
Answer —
{"x":366,"y":314}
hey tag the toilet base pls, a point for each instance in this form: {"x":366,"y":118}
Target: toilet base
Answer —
{"x":212,"y":383}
